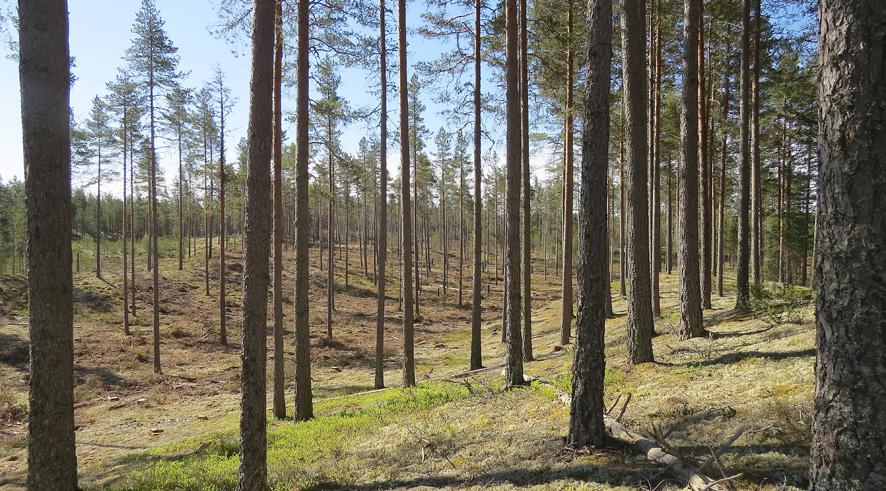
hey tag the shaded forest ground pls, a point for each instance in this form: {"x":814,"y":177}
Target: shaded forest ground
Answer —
{"x":138,"y":430}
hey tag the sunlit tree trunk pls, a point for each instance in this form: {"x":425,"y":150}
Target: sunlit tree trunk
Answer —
{"x":44,"y":61}
{"x":848,"y":422}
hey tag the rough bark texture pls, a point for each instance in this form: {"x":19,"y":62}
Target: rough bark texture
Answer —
{"x":476,"y":308}
{"x":703,"y":166}
{"x":45,"y":100}
{"x":405,"y":203}
{"x":524,"y":159}
{"x":586,"y":412}
{"x":691,"y":321}
{"x":742,"y":288}
{"x":511,"y":324}
{"x":566,"y":312}
{"x":756,"y":167}
{"x":848,"y":450}
{"x":253,"y":474}
{"x":640,"y":322}
{"x":304,"y":407}
{"x":279,"y":382}
{"x":382,"y":204}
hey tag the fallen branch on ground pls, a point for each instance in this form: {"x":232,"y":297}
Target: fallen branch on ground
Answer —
{"x":693,"y":477}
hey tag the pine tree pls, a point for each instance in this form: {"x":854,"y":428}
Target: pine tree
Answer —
{"x":476,"y":307}
{"x":691,"y":321}
{"x":126,"y":104}
{"x":279,"y":382}
{"x":153,"y":61}
{"x":588,"y":368}
{"x":100,"y":134}
{"x":406,"y":215}
{"x":511,"y":322}
{"x":253,"y":474}
{"x":177,"y":118}
{"x":304,"y":409}
{"x":382,"y":198}
{"x":44,"y":74}
{"x":848,"y":421}
{"x":640,"y":323}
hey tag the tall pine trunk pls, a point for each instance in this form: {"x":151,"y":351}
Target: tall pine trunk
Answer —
{"x":406,"y":215}
{"x":44,"y":60}
{"x":511,"y":322}
{"x":742,"y":287}
{"x":691,"y":321}
{"x":476,"y":308}
{"x":566,"y":311}
{"x":640,"y":322}
{"x":382,"y":203}
{"x":848,"y":421}
{"x":588,"y":368}
{"x":524,"y":161}
{"x":279,"y":381}
{"x":253,"y":474}
{"x":304,"y":408}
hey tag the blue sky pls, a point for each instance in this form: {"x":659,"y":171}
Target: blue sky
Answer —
{"x":100,"y":33}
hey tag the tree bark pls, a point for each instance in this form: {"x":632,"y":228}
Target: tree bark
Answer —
{"x":524,"y":160}
{"x":691,"y":321}
{"x":406,"y":216}
{"x":703,"y":166}
{"x":588,"y":369}
{"x":566,"y":311}
{"x":742,"y":288}
{"x":304,"y":407}
{"x":222,"y":226}
{"x":253,"y":474}
{"x":756,"y":170}
{"x":476,"y":308}
{"x":640,"y":322}
{"x":44,"y":61}
{"x":511,"y":323}
{"x":382,"y":203}
{"x":848,"y":422}
{"x":279,"y":382}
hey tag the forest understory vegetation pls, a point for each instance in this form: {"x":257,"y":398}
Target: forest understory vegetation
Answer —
{"x":178,"y":430}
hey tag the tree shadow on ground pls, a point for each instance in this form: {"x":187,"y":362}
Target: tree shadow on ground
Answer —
{"x":744,"y":355}
{"x":613,"y":475}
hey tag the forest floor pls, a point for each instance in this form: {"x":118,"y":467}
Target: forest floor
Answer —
{"x":178,"y":430}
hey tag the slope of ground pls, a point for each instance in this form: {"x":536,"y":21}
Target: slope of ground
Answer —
{"x":137,"y":430}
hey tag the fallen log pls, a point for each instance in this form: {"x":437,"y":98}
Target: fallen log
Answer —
{"x":694,"y":478}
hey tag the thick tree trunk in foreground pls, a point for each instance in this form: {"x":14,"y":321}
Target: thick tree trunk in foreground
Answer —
{"x":586,"y":413}
{"x":44,"y":59}
{"x":253,"y":474}
{"x":511,"y":322}
{"x":304,"y":407}
{"x":476,"y":308}
{"x":742,"y":287}
{"x":279,"y":219}
{"x":691,"y":321}
{"x":640,"y":323}
{"x":382,"y":205}
{"x":405,"y":203}
{"x":847,"y":447}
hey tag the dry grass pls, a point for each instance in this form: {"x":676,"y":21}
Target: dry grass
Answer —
{"x":139,"y":430}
